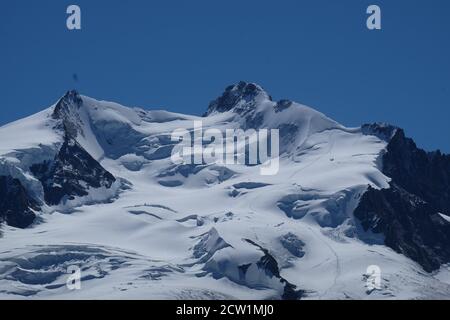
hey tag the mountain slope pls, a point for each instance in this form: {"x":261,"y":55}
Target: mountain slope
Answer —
{"x":100,"y":179}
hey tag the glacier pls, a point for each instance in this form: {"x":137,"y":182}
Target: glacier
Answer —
{"x":141,"y":227}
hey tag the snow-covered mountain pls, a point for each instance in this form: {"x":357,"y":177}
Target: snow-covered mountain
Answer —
{"x":92,"y":184}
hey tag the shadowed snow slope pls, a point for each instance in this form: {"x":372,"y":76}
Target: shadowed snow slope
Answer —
{"x":98,"y":180}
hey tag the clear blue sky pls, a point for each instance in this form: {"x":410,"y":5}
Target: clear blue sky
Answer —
{"x":179,"y":55}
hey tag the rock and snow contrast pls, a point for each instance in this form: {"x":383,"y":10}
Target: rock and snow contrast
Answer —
{"x":91,"y":184}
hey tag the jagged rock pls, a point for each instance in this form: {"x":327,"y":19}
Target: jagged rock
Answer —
{"x":426,"y":175}
{"x":384,"y":131}
{"x":16,"y":206}
{"x":407,"y":213}
{"x":71,"y":174}
{"x":240,"y":97}
{"x":410,"y":225}
{"x":66,"y":111}
{"x":270,"y":266}
{"x":293,"y":244}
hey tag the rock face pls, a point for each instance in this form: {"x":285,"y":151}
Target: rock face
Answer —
{"x":381,"y":130}
{"x":16,"y":206}
{"x":270,"y":266}
{"x":293,"y":244}
{"x":424,"y":174}
{"x":408,"y":213}
{"x":240,"y":97}
{"x":71,"y":174}
{"x":67,"y":113}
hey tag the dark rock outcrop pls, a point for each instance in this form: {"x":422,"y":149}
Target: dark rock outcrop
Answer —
{"x":16,"y":206}
{"x":67,"y":113}
{"x":425,"y":174}
{"x":407,"y":213}
{"x":283,"y":105}
{"x":241,"y":95}
{"x":384,"y":131}
{"x":293,"y":244}
{"x":410,"y":225}
{"x":271,"y":268}
{"x":71,"y":174}
{"x":64,"y":105}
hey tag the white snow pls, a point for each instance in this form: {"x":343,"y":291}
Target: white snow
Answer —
{"x":445,"y":217}
{"x":28,"y":133}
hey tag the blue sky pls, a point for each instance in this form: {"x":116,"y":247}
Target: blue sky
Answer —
{"x":179,"y":55}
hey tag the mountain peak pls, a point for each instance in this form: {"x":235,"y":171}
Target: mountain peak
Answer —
{"x":71,"y":99}
{"x":67,"y":112}
{"x":238,"y":97}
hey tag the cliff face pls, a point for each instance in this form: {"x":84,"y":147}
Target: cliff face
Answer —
{"x":426,"y":175}
{"x":16,"y":206}
{"x":71,"y":174}
{"x":409,"y":214}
